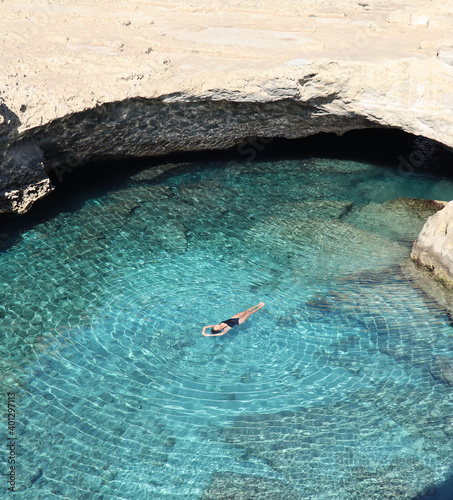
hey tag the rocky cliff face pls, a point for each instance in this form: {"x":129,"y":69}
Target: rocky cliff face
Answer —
{"x":82,"y":81}
{"x":295,"y":100}
{"x":434,"y":246}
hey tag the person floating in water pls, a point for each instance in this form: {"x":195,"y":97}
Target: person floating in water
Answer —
{"x":224,"y":326}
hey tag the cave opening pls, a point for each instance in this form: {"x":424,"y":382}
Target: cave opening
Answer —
{"x":393,"y":148}
{"x":402,"y":153}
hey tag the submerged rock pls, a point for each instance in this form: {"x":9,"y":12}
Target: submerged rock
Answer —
{"x":321,"y":247}
{"x":323,"y":209}
{"x":388,"y":307}
{"x":442,"y":369}
{"x":341,"y":449}
{"x":400,"y":219}
{"x":386,"y":483}
{"x":435,"y":293}
{"x":420,"y":207}
{"x":230,"y":485}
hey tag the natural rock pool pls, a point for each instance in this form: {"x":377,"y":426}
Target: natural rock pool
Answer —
{"x":328,"y":392}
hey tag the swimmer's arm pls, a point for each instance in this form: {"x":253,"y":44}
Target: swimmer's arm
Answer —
{"x":226,"y":329}
{"x":204,"y":331}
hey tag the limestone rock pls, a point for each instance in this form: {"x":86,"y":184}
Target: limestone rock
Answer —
{"x":442,"y":369}
{"x":445,"y":55}
{"x":82,"y":81}
{"x":434,"y":246}
{"x":18,"y":201}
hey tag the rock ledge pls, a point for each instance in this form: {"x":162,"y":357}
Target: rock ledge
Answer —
{"x":82,"y":81}
{"x":434,"y":246}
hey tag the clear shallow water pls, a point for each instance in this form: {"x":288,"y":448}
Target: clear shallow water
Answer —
{"x":324,"y":393}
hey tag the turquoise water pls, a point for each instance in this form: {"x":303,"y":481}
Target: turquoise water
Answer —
{"x":325,"y":393}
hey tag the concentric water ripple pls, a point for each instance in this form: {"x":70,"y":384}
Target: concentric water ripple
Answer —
{"x":326,"y":392}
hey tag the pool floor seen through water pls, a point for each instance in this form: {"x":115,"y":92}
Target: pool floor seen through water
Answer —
{"x":325,"y":393}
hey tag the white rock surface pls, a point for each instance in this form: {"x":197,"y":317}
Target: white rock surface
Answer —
{"x":434,"y":246}
{"x":445,"y":55}
{"x":87,"y":79}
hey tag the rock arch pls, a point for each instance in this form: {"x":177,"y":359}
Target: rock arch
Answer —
{"x":299,"y":99}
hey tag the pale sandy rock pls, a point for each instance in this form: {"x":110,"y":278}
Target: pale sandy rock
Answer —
{"x":422,"y":20}
{"x":445,"y":55}
{"x":434,"y":246}
{"x":430,"y":47}
{"x":403,"y":18}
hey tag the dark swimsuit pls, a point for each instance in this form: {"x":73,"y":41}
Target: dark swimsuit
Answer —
{"x":229,"y":322}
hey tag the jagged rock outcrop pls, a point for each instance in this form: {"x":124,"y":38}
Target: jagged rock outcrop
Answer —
{"x":293,"y":101}
{"x":78,"y":85}
{"x":434,"y":246}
